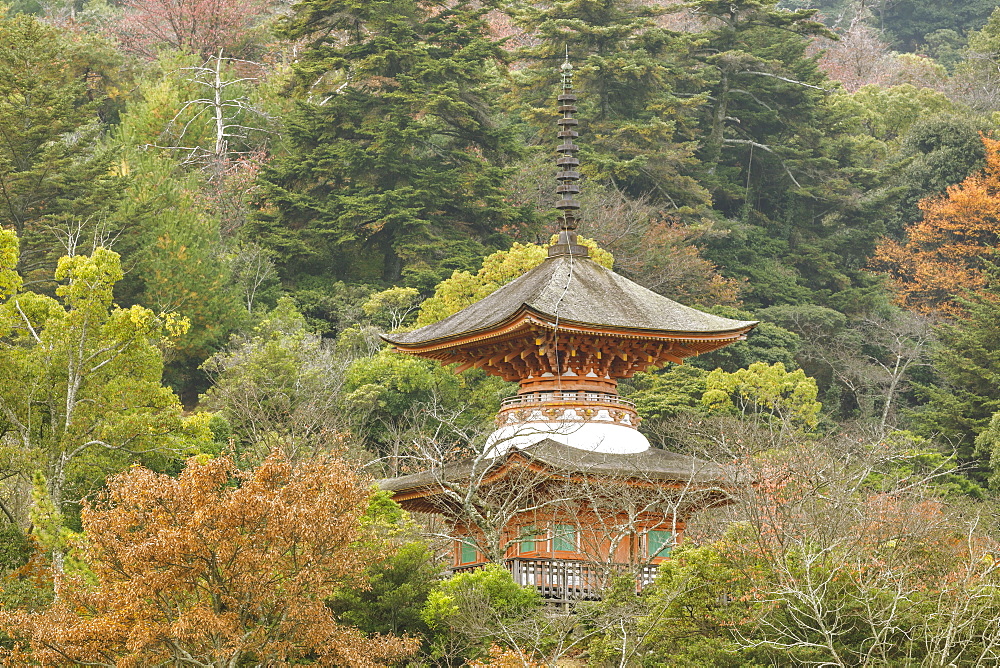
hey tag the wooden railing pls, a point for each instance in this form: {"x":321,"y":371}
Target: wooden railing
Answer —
{"x":566,"y":579}
{"x":576,"y":396}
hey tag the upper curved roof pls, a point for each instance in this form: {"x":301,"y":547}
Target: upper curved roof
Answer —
{"x":577,"y":290}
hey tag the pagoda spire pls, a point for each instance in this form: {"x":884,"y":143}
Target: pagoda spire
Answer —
{"x":568,"y":175}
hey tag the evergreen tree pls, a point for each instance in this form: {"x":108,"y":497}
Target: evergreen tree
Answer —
{"x":394,"y":154}
{"x":965,"y":394}
{"x":764,"y":91}
{"x":56,"y":185}
{"x":638,"y":94}
{"x":909,"y":22}
{"x":776,"y":159}
{"x":177,"y":261}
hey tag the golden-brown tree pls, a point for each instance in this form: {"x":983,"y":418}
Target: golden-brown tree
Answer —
{"x":943,"y":255}
{"x":217,"y":567}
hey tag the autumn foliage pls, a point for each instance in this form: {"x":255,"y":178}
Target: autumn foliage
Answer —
{"x":205,"y":27}
{"x":943,"y":255}
{"x":218,"y":567}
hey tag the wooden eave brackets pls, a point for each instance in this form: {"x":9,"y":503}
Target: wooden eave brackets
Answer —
{"x":530,"y":344}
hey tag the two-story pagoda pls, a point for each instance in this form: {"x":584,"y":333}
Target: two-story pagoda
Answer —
{"x":567,"y":487}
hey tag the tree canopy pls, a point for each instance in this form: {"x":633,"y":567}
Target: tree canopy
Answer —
{"x":217,"y":566}
{"x":212,"y":211}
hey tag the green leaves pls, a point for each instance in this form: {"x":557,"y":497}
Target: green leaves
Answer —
{"x":673,"y":390}
{"x":961,"y":402}
{"x":175,"y":252}
{"x":54,"y":173}
{"x":80,"y":380}
{"x":279,"y":387}
{"x":638,"y":94}
{"x":10,"y":281}
{"x":469,"y":611}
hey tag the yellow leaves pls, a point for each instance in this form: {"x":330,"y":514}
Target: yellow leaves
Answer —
{"x":141,"y":318}
{"x":391,"y":307}
{"x":197,"y":434}
{"x":88,"y":280}
{"x":176,"y":326}
{"x":10,"y":281}
{"x":765,"y":390}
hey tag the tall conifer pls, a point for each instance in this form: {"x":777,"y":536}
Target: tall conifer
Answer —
{"x":639,"y":93}
{"x":395,"y":155}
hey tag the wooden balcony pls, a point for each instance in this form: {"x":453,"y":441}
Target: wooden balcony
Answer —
{"x":567,"y":579}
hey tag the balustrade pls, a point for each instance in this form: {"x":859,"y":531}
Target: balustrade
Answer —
{"x":567,"y":579}
{"x":577,"y":396}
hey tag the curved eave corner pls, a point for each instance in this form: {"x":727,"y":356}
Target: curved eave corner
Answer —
{"x":494,"y":329}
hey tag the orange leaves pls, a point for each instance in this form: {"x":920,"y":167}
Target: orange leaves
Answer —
{"x":217,"y":564}
{"x":944,"y":254}
{"x":504,"y":658}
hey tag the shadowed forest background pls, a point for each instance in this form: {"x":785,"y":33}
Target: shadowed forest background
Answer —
{"x":211,"y":208}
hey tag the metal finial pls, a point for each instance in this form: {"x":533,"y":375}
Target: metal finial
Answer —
{"x":567,"y":176}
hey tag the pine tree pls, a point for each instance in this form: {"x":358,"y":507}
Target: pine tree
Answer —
{"x":766,"y":97}
{"x":776,"y":159}
{"x":394,"y":154}
{"x":55,"y":178}
{"x":639,"y":93}
{"x":178,"y":264}
{"x":965,"y":394}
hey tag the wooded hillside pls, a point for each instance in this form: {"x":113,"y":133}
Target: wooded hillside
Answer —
{"x":209,"y":210}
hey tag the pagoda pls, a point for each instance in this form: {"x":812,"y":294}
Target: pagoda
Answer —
{"x":582,"y":491}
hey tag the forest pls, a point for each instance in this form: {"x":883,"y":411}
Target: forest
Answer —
{"x":211,"y":209}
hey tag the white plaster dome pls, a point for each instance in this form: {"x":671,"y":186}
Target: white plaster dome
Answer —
{"x":592,"y":436}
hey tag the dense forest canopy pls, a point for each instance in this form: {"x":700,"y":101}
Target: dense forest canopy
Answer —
{"x":210,"y":210}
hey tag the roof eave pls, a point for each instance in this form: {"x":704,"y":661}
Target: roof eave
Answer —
{"x":523,"y":458}
{"x":527,"y":313}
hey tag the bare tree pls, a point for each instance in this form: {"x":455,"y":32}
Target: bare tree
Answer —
{"x":233,"y":116}
{"x":486,"y":493}
{"x":253,"y":270}
{"x":872,"y":360}
{"x":279,"y":387}
{"x":860,"y":57}
{"x":844,"y":554}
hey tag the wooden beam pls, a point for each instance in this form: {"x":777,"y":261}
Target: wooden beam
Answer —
{"x":464,"y":367}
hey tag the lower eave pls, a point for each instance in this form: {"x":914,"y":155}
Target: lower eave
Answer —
{"x":517,"y":461}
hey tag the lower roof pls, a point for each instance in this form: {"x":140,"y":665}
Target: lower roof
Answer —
{"x":652,"y":465}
